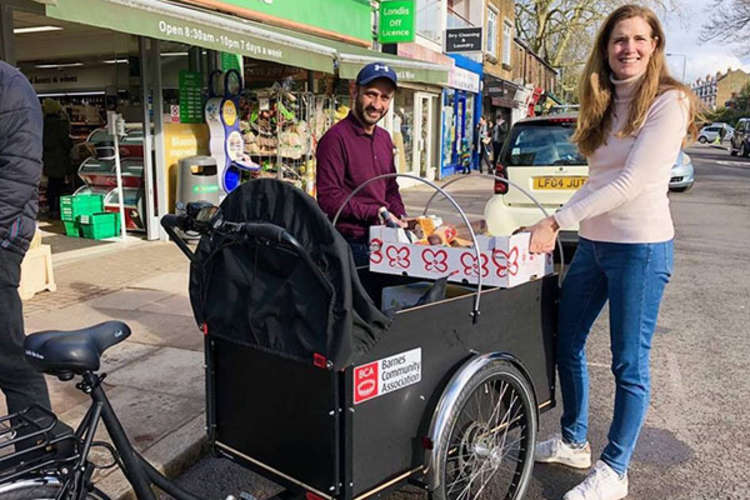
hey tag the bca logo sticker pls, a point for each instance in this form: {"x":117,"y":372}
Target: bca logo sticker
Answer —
{"x":365,"y":382}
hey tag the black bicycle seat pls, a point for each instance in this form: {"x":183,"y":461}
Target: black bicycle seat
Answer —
{"x":73,"y":352}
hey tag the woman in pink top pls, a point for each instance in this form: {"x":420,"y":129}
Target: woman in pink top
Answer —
{"x":634,"y":118}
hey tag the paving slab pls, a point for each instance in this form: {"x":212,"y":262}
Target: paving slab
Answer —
{"x":173,"y":282}
{"x":178,"y":372}
{"x":172,"y":304}
{"x":128,"y":298}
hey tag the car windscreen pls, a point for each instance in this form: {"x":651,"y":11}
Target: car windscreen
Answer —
{"x":542,"y":143}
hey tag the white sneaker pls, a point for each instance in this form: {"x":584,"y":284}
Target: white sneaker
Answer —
{"x":602,"y":483}
{"x":557,"y":451}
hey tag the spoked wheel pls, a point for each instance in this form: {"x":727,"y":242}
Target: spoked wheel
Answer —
{"x":488,"y":444}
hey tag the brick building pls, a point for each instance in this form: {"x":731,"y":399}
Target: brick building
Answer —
{"x":499,"y":89}
{"x":715,"y":90}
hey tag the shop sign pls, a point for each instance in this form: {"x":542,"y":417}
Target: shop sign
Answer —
{"x":350,"y":18}
{"x":462,"y":79}
{"x":191,"y":102}
{"x":396,"y":23}
{"x":463,"y":40}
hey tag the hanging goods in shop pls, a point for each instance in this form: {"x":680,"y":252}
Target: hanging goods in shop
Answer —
{"x":226,"y":142}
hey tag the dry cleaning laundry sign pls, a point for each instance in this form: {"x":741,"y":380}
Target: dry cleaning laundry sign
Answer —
{"x":387,"y":375}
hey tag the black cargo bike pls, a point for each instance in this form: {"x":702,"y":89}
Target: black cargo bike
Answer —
{"x":311,"y":384}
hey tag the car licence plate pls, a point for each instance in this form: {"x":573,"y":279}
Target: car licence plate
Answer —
{"x":550,"y":182}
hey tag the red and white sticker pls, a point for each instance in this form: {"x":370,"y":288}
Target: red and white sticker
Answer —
{"x":387,"y":375}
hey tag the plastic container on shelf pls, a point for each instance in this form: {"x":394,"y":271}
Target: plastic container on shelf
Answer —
{"x":100,"y":225}
{"x":71,"y":206}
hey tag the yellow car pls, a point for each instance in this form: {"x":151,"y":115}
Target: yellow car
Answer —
{"x":538,"y":156}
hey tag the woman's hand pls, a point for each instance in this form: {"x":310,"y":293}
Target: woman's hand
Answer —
{"x":543,"y":235}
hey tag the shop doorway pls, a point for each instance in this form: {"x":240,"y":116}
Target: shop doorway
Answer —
{"x":424,"y":133}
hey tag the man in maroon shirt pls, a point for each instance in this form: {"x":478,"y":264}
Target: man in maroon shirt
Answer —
{"x":355,"y":150}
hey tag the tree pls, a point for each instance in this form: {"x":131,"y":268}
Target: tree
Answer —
{"x":562,"y":31}
{"x":729,"y":22}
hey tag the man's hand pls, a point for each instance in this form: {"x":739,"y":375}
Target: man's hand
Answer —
{"x":391,"y":220}
{"x":543,"y":235}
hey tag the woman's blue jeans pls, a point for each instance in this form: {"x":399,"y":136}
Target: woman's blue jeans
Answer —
{"x":632,"y":276}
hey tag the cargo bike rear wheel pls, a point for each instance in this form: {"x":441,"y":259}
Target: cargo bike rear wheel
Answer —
{"x":487,"y":446}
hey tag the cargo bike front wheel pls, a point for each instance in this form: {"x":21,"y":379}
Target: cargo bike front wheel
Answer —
{"x":486,"y":448}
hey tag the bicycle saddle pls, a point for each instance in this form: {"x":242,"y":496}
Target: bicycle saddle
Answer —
{"x":64,"y":353}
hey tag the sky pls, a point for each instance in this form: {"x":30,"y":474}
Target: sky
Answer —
{"x":682,"y":33}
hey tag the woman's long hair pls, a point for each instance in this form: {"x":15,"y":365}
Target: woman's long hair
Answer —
{"x":596,"y":91}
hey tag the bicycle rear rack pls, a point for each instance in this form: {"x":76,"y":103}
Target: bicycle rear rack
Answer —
{"x":32,"y":440}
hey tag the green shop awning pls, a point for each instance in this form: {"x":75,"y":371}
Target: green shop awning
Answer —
{"x":351,"y":60}
{"x":210,"y":30}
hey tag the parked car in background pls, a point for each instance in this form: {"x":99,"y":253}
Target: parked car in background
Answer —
{"x":539,"y":157}
{"x":683,"y":173}
{"x":740,"y":142}
{"x":708,"y":133}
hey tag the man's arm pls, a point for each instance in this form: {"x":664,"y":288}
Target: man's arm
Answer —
{"x":20,"y":147}
{"x":332,"y":191}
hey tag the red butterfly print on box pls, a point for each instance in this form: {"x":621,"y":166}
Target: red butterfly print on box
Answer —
{"x":376,"y":254}
{"x":469,"y":263}
{"x":435,"y":260}
{"x":398,"y":256}
{"x":507,"y":263}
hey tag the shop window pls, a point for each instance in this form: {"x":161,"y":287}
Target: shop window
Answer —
{"x":491,"y":40}
{"x":428,"y":20}
{"x":507,"y":40}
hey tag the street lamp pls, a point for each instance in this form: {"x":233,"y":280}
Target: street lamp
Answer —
{"x":684,"y":63}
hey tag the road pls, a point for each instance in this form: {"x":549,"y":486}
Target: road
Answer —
{"x":696,"y":440}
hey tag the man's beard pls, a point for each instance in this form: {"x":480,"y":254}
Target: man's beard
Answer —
{"x":363,"y":116}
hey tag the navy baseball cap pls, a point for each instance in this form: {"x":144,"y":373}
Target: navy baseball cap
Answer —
{"x":376,"y":70}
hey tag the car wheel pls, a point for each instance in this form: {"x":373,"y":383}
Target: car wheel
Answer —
{"x":702,"y":139}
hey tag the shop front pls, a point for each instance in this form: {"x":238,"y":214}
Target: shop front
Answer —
{"x":461,"y":108}
{"x":152,"y":62}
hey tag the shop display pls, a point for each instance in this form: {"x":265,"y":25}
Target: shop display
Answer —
{"x":100,"y":176}
{"x":226,"y":141}
{"x":280,"y":129}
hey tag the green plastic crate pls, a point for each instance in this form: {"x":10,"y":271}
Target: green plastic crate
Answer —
{"x":72,"y":229}
{"x":99,"y":226}
{"x":83,"y":204}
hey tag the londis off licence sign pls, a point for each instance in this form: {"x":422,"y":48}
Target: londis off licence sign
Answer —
{"x":396,"y":24}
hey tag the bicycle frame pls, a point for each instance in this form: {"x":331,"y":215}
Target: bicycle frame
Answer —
{"x":137,"y":470}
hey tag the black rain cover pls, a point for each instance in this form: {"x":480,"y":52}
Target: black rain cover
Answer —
{"x":261,"y":294}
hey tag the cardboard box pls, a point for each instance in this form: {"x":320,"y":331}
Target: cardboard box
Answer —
{"x":505,"y":261}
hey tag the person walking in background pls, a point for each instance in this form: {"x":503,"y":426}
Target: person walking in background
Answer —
{"x":633,"y":120}
{"x":58,"y":167}
{"x":499,"y":131}
{"x":20,"y":171}
{"x":482,"y":140}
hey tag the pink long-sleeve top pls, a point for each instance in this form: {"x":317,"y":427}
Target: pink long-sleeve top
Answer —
{"x":625,"y":197}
